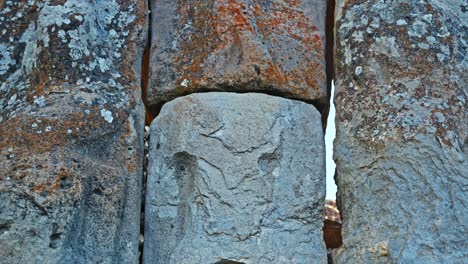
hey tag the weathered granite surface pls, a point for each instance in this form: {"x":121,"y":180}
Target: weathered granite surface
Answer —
{"x":235,"y":178}
{"x":71,"y":126}
{"x":401,"y":147}
{"x":274,"y":47}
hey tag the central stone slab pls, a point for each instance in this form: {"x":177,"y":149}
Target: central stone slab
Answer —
{"x":274,"y":47}
{"x":235,"y":178}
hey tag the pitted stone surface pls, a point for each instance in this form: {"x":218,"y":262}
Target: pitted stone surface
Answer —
{"x":401,"y":146}
{"x":274,"y":47}
{"x":235,"y":178}
{"x":71,"y":124}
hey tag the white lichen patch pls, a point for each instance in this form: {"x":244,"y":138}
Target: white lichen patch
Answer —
{"x":358,"y":36}
{"x":427,"y":18}
{"x":431,"y":40}
{"x":185,"y":83}
{"x":39,"y":101}
{"x":423,"y":45}
{"x":107,"y":115}
{"x":91,"y":20}
{"x":401,"y":22}
{"x":418,"y":29}
{"x":62,"y":35}
{"x":74,"y":42}
{"x":386,"y":45}
{"x":103,"y":64}
{"x":441,"y":57}
{"x":358,"y":70}
{"x":6,"y":60}
{"x":410,"y":35}
{"x":12,"y":99}
{"x":348,"y":55}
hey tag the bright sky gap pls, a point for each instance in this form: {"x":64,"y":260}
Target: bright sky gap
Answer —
{"x":329,"y":137}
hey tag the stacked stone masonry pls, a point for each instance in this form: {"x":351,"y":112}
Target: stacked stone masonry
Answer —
{"x":236,"y":168}
{"x":236,"y":178}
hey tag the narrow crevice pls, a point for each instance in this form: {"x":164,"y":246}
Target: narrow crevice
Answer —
{"x":149,"y":116}
{"x":329,"y":55}
{"x":143,"y":192}
{"x":332,"y":219}
{"x":152,"y":111}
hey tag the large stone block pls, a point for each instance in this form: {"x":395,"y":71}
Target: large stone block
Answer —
{"x":71,"y":124}
{"x":274,"y":47}
{"x":401,"y":147}
{"x":235,"y":178}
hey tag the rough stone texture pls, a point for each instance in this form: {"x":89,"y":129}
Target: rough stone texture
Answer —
{"x":235,"y":178}
{"x":401,"y":147}
{"x":71,"y":126}
{"x":274,"y":47}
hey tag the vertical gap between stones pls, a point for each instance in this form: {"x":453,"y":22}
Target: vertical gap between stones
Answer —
{"x":149,"y":116}
{"x":329,"y":55}
{"x":332,"y":221}
{"x":332,"y":224}
{"x":145,"y":72}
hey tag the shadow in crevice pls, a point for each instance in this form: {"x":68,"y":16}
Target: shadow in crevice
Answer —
{"x":150,"y":114}
{"x":227,"y":261}
{"x":329,"y":55}
{"x":148,"y":117}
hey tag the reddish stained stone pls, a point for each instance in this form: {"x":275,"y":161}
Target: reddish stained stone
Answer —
{"x":231,"y":45}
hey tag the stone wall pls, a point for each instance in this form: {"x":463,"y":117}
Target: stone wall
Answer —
{"x":236,"y":164}
{"x":236,"y":178}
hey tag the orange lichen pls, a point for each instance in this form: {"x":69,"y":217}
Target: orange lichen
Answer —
{"x":442,"y":127}
{"x":275,"y":75}
{"x":60,"y":132}
{"x":51,"y":187}
{"x":207,"y":28}
{"x":132,"y":159}
{"x":294,"y":23}
{"x":232,"y":19}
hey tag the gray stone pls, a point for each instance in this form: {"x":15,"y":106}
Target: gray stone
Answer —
{"x":274,"y":47}
{"x":71,"y":126}
{"x":235,"y":178}
{"x":401,"y":147}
